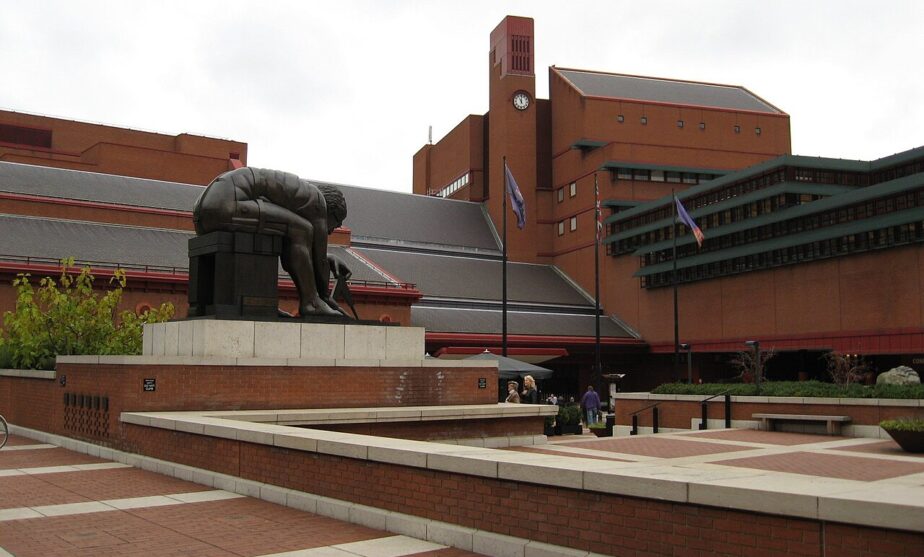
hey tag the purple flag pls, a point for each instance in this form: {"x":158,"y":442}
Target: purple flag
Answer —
{"x":516,"y":198}
{"x":686,"y":219}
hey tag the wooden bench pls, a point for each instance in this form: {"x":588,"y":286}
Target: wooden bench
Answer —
{"x":833,"y":422}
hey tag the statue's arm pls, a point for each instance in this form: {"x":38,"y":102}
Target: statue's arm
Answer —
{"x":319,"y":258}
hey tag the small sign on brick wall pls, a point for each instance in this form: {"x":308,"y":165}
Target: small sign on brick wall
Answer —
{"x":149,"y":385}
{"x":482,"y":382}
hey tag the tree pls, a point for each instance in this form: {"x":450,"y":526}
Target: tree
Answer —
{"x":844,"y":369}
{"x":67,"y":317}
{"x":747,"y":364}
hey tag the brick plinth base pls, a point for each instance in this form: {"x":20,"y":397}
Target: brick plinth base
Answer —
{"x":603,"y":523}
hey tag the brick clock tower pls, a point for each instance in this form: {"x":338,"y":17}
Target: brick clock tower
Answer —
{"x":511,"y":130}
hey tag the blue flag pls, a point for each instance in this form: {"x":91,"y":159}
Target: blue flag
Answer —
{"x":686,"y":219}
{"x":516,"y":198}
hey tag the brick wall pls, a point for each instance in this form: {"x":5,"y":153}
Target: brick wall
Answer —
{"x":109,"y":390}
{"x":597,"y":522}
{"x":437,"y":430}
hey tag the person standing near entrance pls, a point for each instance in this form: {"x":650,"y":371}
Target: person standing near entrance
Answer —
{"x":590,"y":403}
{"x":530,"y":395}
{"x":512,"y":394}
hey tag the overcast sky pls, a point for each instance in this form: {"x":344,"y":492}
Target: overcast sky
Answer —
{"x":345,"y":91}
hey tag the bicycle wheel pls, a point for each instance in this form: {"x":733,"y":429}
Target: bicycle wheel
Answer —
{"x":4,"y":431}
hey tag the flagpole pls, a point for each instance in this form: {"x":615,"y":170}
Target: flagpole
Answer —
{"x":598,"y":371}
{"x":504,"y":272}
{"x":674,"y":281}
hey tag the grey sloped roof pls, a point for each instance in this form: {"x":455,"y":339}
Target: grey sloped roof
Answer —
{"x":127,"y":246}
{"x":597,"y":84}
{"x":464,"y":320}
{"x":416,"y":219}
{"x":101,"y":188}
{"x":384,"y":215}
{"x":447,"y":276}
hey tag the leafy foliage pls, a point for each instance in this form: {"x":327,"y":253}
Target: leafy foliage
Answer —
{"x":806,"y":389}
{"x":569,"y":414}
{"x":67,"y":317}
{"x":907,"y":424}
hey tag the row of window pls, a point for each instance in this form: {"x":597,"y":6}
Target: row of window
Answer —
{"x":644,"y":175}
{"x":455,"y":186}
{"x":572,"y":226}
{"x":854,"y":243}
{"x":681,"y":123}
{"x":717,"y":219}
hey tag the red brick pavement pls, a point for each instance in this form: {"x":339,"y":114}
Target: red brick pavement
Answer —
{"x":659,"y":447}
{"x":766,"y":437}
{"x":32,"y":491}
{"x":15,"y":441}
{"x":43,"y":457}
{"x":829,"y":465}
{"x":888,"y":448}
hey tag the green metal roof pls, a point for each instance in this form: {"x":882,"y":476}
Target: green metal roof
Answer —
{"x":759,"y":168}
{"x":619,"y":203}
{"x":613,"y":165}
{"x":856,"y":195}
{"x":750,"y":197}
{"x":897,"y":158}
{"x":827,"y":233}
{"x":588,"y":144}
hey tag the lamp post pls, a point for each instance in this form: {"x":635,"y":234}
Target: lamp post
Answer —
{"x":755,"y":344}
{"x":689,"y":350}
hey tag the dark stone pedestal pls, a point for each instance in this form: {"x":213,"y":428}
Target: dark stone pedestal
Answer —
{"x":234,"y":274}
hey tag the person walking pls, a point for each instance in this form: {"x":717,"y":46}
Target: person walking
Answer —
{"x":590,"y":403}
{"x":512,"y":394}
{"x":529,"y":395}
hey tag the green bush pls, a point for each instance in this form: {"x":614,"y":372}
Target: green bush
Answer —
{"x":806,"y":389}
{"x":904,"y":424}
{"x":569,"y":414}
{"x":67,"y":317}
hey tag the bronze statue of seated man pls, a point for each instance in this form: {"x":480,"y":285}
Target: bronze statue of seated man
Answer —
{"x":261,"y":201}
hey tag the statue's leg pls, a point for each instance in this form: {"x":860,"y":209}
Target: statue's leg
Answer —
{"x":296,"y":255}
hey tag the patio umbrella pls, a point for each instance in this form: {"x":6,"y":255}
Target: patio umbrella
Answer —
{"x":510,"y":368}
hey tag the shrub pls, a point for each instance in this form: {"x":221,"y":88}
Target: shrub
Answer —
{"x":67,"y":317}
{"x":805,"y":389}
{"x":904,"y":424}
{"x":569,"y":414}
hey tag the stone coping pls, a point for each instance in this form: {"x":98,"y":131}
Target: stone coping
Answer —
{"x":319,"y":416}
{"x":911,"y":402}
{"x":896,"y":504}
{"x":28,"y":373}
{"x":275,"y":362}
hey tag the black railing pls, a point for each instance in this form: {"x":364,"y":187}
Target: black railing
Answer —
{"x":654,"y":418}
{"x":180,"y":272}
{"x":704,"y":406}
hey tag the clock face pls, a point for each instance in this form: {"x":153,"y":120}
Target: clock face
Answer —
{"x":521,"y":100}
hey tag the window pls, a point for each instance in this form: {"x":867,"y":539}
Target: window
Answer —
{"x":624,"y":174}
{"x":657,"y":175}
{"x":561,"y":194}
{"x":573,"y":224}
{"x":572,"y":189}
{"x":561,"y":228}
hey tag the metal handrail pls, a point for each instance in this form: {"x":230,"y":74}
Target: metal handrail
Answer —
{"x":177,"y":271}
{"x":654,"y":418}
{"x":704,"y":410}
{"x":725,"y":392}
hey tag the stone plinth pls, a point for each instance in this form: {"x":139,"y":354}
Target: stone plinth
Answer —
{"x":283,"y":340}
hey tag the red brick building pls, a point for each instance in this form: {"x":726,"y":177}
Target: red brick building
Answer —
{"x":803,"y":254}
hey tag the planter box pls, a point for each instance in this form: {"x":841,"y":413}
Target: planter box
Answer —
{"x":910,"y":441}
{"x":573,"y":429}
{"x":602,"y":431}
